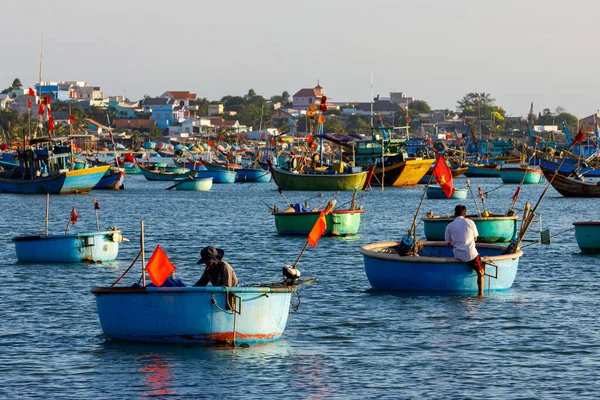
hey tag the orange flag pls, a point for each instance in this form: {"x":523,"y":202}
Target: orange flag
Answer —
{"x":443,"y":174}
{"x":159,"y":266}
{"x":320,"y":226}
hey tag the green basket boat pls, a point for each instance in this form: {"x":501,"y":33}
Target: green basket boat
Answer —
{"x":493,"y":229}
{"x":519,"y":174}
{"x":339,"y":222}
{"x":588,"y":236}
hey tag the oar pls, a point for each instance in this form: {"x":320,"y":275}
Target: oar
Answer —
{"x":182,"y":181}
{"x":482,"y":199}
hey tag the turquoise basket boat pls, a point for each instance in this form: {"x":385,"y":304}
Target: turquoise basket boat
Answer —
{"x":588,"y":236}
{"x":482,"y":171}
{"x":197,"y":185}
{"x":194,"y":314}
{"x":339,"y":222}
{"x":493,"y":229}
{"x":518,"y":175}
{"x":436,"y":269}
{"x":68,"y":248}
{"x":435,"y":192}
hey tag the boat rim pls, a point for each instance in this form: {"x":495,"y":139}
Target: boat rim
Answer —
{"x":275,"y":288}
{"x":471,"y":217}
{"x":368,"y":250}
{"x":589,"y":223}
{"x":281,"y":213}
{"x":62,"y":236}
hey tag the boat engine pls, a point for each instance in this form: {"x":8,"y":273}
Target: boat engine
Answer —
{"x":290,"y":274}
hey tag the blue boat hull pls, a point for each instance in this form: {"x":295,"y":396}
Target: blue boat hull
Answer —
{"x":112,"y":181}
{"x":436,"y":269}
{"x":69,"y":248}
{"x":434,"y":192}
{"x":78,"y":181}
{"x":218,"y":176}
{"x":568,"y":167}
{"x":188,"y":314}
{"x":252,"y":175}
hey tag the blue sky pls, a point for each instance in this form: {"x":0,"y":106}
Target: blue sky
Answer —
{"x":518,"y":50}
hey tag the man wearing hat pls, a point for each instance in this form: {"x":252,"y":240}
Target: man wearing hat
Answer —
{"x":462,"y":234}
{"x":217,"y":271}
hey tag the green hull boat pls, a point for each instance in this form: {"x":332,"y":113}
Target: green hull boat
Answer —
{"x":339,"y":222}
{"x":588,"y":236}
{"x":321,"y":181}
{"x":493,"y":229}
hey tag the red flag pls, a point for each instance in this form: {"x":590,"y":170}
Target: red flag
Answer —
{"x":537,"y":139}
{"x":96,"y":204}
{"x":110,"y":135}
{"x":41,"y":109}
{"x":516,"y":195}
{"x":272,"y":142}
{"x":49,"y":109}
{"x":159,"y":266}
{"x":47,"y":98}
{"x":31,"y":92}
{"x":443,"y":175}
{"x":579,"y":138}
{"x":29,"y":103}
{"x":320,"y":226}
{"x":50,"y":124}
{"x":74,"y":216}
{"x":309,"y":138}
{"x":71,"y":119}
{"x":313,"y":145}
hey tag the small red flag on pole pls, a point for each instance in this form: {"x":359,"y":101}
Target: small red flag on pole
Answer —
{"x":320,"y":226}
{"x":159,"y":267}
{"x":29,"y":103}
{"x":50,"y":123}
{"x":71,"y":119}
{"x":74,"y":216}
{"x":516,"y":195}
{"x":31,"y":92}
{"x":579,"y":138}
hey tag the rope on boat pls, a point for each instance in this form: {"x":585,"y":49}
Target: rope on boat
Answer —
{"x":127,"y":270}
{"x":490,"y":191}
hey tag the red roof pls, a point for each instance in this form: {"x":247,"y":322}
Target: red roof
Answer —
{"x":216,"y":121}
{"x":182,"y":95}
{"x":229,"y":123}
{"x":307,"y":93}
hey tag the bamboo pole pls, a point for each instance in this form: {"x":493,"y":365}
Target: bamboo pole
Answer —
{"x":143,"y":255}
{"x":473,"y":196}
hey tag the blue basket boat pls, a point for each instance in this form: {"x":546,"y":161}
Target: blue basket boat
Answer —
{"x":257,"y":175}
{"x":492,"y":229}
{"x":519,"y":174}
{"x":194,"y":314}
{"x":435,"y":192}
{"x":588,"y":236}
{"x":68,"y":248}
{"x":436,"y":269}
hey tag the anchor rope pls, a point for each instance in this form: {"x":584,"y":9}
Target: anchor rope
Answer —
{"x":551,"y":236}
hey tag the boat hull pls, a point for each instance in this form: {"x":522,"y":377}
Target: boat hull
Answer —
{"x":197,"y":185}
{"x":69,"y":182}
{"x":588,"y":236}
{"x":434,"y":192}
{"x":339,"y":223}
{"x":570,"y":187}
{"x":456,"y":172}
{"x":112,"y":181}
{"x":491,"y":229}
{"x":568,"y":168}
{"x":405,"y":173}
{"x":69,"y":248}
{"x":217,"y":176}
{"x":474,"y":171}
{"x":188,"y":314}
{"x":318,"y":181}
{"x":436,"y":269}
{"x":252,"y":175}
{"x":518,"y":175}
{"x":160,"y":175}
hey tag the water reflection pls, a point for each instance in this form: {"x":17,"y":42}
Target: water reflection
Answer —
{"x":156,"y":373}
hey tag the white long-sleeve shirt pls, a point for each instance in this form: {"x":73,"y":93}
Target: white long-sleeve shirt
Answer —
{"x":462,"y":233}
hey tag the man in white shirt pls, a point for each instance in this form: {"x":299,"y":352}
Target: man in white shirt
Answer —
{"x":462,"y":234}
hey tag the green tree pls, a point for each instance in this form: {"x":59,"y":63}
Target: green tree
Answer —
{"x":472,"y":103}
{"x":332,"y":125}
{"x":421,"y":106}
{"x":358,"y":124}
{"x":285,"y":99}
{"x":16,"y":85}
{"x":251,"y":116}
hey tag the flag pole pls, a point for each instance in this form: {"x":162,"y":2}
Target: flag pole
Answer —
{"x":67,"y":227}
{"x":324,"y":213}
{"x":143,"y":255}
{"x":473,"y":196}
{"x":412,"y":231}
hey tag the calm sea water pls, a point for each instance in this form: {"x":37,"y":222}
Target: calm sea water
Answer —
{"x":541,"y":339}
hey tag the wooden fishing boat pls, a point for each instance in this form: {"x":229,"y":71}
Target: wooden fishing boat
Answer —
{"x":112,"y":180}
{"x":339,"y":222}
{"x":408,"y":172}
{"x":436,"y":269}
{"x":69,"y":248}
{"x":492,"y":229}
{"x":154,"y":173}
{"x":483,"y":171}
{"x":456,"y":172}
{"x":435,"y":192}
{"x":132,"y":168}
{"x":197,"y":184}
{"x":521,"y":174}
{"x":55,"y":182}
{"x":244,"y":173}
{"x":569,"y":167}
{"x":570,"y":187}
{"x":588,"y":236}
{"x":193,"y":314}
{"x":317,"y":180}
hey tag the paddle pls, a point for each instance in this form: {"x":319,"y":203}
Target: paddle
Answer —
{"x":182,"y":181}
